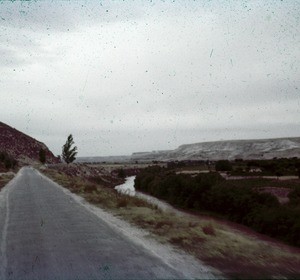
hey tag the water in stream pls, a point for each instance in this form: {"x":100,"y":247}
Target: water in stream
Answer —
{"x":128,"y":189}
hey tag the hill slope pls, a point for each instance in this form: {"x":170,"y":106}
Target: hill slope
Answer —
{"x":21,"y":146}
{"x":232,"y":149}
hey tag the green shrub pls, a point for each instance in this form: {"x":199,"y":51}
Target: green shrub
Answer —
{"x":8,"y":161}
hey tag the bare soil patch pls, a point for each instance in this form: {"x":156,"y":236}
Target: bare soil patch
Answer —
{"x":280,"y":193}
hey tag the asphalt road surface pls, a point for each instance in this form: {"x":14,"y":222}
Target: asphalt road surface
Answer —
{"x":45,"y":234}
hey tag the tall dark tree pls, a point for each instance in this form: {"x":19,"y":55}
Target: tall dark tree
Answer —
{"x":42,"y":155}
{"x":69,"y":152}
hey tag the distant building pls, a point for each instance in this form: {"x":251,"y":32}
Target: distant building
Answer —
{"x":255,"y":170}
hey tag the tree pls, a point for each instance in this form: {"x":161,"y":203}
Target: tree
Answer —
{"x":69,"y":152}
{"x":58,"y":158}
{"x":42,"y":155}
{"x":121,"y":173}
{"x":223,"y":165}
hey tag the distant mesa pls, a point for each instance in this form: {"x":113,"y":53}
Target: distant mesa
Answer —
{"x":22,"y":147}
{"x":218,"y":150}
{"x":231,"y":149}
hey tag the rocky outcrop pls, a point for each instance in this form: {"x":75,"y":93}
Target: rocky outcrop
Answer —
{"x":22,"y":147}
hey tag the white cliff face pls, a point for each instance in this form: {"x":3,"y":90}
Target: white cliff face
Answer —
{"x":232,"y":149}
{"x":246,"y":149}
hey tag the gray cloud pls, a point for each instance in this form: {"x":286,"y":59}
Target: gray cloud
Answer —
{"x":133,"y":76}
{"x":65,"y":16}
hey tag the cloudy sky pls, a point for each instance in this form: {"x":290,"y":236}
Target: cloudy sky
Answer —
{"x":130,"y":76}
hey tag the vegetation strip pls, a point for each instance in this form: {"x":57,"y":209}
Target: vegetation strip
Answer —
{"x":234,"y":252}
{"x":210,"y":192}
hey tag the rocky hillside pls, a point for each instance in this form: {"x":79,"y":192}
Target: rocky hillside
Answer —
{"x":21,"y":146}
{"x":233,"y":149}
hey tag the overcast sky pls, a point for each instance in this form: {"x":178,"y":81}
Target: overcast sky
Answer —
{"x":130,"y":76}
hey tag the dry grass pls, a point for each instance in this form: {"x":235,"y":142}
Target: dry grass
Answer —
{"x":4,"y":179}
{"x":236,"y":252}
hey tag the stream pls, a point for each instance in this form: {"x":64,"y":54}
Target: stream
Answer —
{"x":127,"y":188}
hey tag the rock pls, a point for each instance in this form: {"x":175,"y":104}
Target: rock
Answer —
{"x":22,"y":147}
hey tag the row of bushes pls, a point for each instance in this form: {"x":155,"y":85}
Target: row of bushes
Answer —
{"x":7,"y":160}
{"x":210,"y":192}
{"x":277,"y":167}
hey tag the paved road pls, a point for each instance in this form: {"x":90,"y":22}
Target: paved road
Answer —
{"x":45,"y":234}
